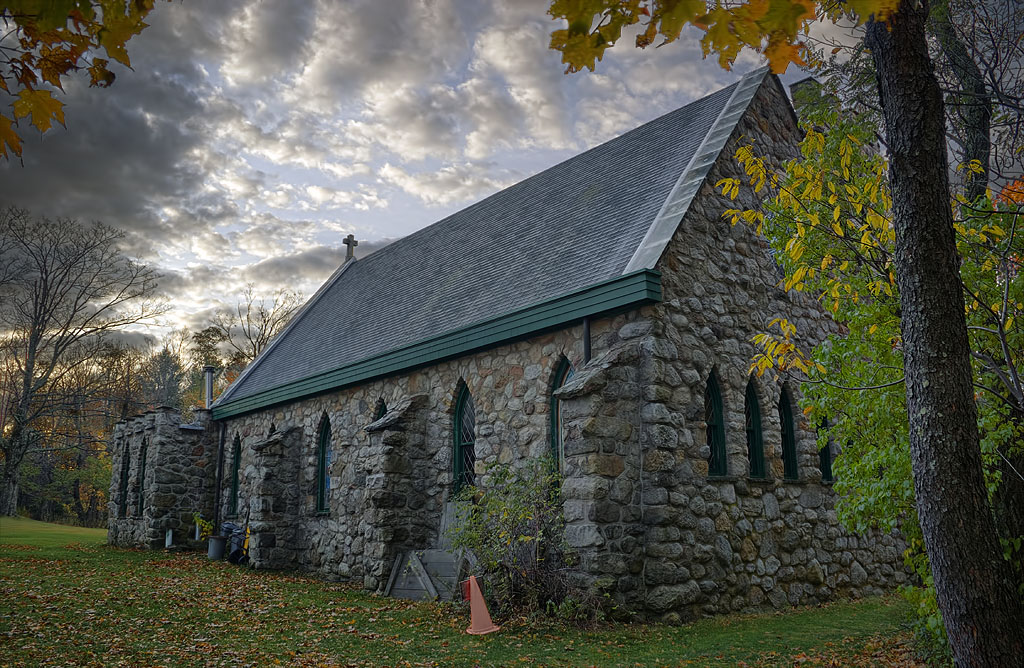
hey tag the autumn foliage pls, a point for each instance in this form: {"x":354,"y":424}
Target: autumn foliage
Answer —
{"x":774,"y":28}
{"x":44,"y":42}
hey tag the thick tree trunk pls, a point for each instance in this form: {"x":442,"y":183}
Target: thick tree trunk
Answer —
{"x":8,"y":494}
{"x":980,"y":606}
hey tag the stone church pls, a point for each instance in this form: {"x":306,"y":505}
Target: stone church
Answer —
{"x":600,"y":312}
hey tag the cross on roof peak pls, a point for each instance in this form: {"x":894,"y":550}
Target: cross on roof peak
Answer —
{"x":351,"y":242}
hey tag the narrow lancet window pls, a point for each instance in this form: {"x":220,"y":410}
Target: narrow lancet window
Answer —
{"x":323,"y":465}
{"x":789,"y":465}
{"x":126,"y":460}
{"x":825,"y":456}
{"x":562,"y":376}
{"x":141,"y":482}
{"x":465,"y":440}
{"x":715,"y":421}
{"x":236,"y":465}
{"x":755,"y":438}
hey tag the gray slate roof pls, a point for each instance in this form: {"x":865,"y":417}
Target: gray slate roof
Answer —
{"x":573,"y":225}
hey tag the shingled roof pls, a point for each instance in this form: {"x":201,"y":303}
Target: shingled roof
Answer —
{"x":599,"y":216}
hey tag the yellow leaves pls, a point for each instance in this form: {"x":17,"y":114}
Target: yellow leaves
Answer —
{"x":771,"y":27}
{"x":48,"y":40}
{"x":973,"y":166}
{"x":9,"y":140}
{"x":676,"y":14}
{"x":780,"y":53}
{"x":99,"y":75}
{"x":122,"y":20}
{"x":780,"y":353}
{"x":729,"y":187}
{"x":794,"y":280}
{"x":40,"y":106}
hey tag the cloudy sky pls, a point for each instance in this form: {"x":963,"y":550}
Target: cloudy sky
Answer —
{"x":251,"y":137}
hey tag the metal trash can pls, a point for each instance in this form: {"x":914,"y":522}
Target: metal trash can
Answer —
{"x":215,"y":549}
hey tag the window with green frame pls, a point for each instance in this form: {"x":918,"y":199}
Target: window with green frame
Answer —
{"x":126,"y":460}
{"x":236,"y":467}
{"x":323,"y":465}
{"x":755,"y":438}
{"x":714,"y":418}
{"x":141,"y":480}
{"x":562,"y":375}
{"x":789,"y":465}
{"x":825,"y":456}
{"x":464,"y":441}
{"x":382,"y":410}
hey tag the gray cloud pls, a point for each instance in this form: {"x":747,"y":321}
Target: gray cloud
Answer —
{"x":251,"y":137}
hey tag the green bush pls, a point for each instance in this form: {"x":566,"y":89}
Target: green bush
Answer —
{"x":513,"y":527}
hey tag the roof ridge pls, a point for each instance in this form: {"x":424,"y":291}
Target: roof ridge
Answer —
{"x":536,"y":175}
{"x":690,"y":180}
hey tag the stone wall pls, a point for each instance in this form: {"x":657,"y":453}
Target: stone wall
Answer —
{"x":391,"y":479}
{"x":179,"y":478}
{"x":663,"y":537}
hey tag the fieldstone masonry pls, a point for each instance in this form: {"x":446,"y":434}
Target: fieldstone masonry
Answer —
{"x":654,"y":531}
{"x":179,"y":477}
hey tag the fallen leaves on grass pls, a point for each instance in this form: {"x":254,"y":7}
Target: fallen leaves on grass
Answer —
{"x":99,"y":606}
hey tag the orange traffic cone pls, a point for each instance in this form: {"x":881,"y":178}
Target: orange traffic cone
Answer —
{"x":479,"y":618}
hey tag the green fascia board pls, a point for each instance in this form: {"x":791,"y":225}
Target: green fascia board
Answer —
{"x":622,"y":293}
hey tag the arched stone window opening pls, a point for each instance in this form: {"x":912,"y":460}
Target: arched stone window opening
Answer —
{"x":755,"y":437}
{"x":789,"y":464}
{"x":381,"y":410}
{"x":563,"y":374}
{"x":826,"y":455}
{"x":323,"y":465}
{"x":465,"y":441}
{"x":714,"y":418}
{"x":236,"y":466}
{"x":141,"y":481}
{"x":126,"y":460}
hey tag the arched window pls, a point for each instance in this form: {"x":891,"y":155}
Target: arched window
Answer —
{"x":323,"y":465}
{"x":141,"y":481}
{"x":126,"y":460}
{"x":825,"y":456}
{"x":382,"y":410}
{"x":236,"y":466}
{"x":465,"y":440}
{"x":562,"y":375}
{"x":789,"y":467}
{"x":755,"y":440}
{"x":715,"y":421}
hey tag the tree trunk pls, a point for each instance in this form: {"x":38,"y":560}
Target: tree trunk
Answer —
{"x":975,"y":110}
{"x":974,"y":585}
{"x":8,"y":493}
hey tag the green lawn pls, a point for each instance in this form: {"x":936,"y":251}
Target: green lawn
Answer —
{"x":67,"y":599}
{"x":21,"y":531}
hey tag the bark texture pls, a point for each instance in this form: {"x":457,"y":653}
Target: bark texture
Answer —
{"x":974,"y":584}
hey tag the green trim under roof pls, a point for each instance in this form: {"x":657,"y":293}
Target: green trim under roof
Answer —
{"x":618,"y":294}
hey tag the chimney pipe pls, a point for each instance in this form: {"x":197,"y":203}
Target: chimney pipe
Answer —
{"x":208,"y":385}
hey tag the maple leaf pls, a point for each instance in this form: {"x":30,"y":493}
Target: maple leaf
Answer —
{"x":8,"y":138}
{"x":122,"y":21}
{"x":780,"y":52}
{"x":99,"y":75}
{"x":41,"y":107}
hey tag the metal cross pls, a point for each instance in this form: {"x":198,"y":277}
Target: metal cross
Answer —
{"x":351,"y":242}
